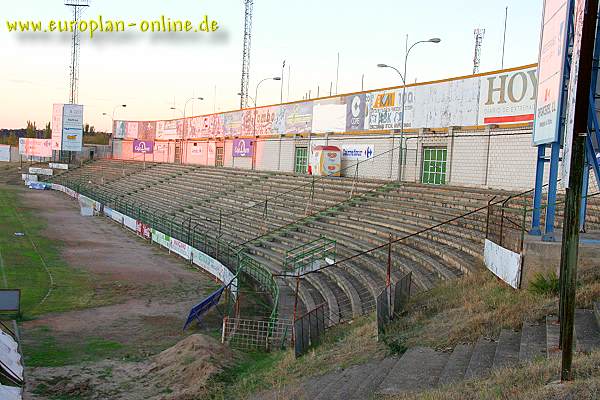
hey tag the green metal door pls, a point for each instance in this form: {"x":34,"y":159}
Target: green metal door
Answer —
{"x":434,"y":165}
{"x":301,"y":160}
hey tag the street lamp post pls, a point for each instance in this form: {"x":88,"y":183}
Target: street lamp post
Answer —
{"x":184,"y":109}
{"x":276,"y":78}
{"x":403,"y":77}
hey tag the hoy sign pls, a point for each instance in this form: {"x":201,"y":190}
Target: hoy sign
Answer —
{"x":508,"y":97}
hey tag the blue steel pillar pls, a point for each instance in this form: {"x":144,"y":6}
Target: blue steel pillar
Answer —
{"x":584,"y":193}
{"x":552,"y":183}
{"x":537,"y":194}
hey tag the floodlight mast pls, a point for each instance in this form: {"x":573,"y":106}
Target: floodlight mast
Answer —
{"x":75,"y":41}
{"x":248,"y":5}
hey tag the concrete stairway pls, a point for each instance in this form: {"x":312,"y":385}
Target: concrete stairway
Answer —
{"x":422,"y":368}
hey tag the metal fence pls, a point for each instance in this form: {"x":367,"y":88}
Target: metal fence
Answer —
{"x":507,"y":221}
{"x":391,"y":301}
{"x":309,"y":329}
{"x":249,"y":334}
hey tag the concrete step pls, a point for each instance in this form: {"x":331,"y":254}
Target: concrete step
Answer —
{"x":586,"y":331}
{"x":507,"y":350}
{"x":350,"y":382}
{"x":482,"y":359}
{"x":552,"y":336}
{"x":457,"y":364}
{"x":370,"y":383}
{"x":533,"y":341}
{"x":418,"y":369}
{"x":339,"y":389}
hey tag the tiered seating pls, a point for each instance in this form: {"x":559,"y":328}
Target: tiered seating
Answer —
{"x":100,"y":172}
{"x":230,"y":203}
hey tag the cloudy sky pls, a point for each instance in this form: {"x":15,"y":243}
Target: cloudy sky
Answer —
{"x":153,"y":72}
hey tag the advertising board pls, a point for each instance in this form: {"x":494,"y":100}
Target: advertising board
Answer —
{"x":358,"y":152}
{"x":35,"y":147}
{"x":243,"y":148}
{"x":72,"y":129}
{"x":143,"y":146}
{"x":4,"y":152}
{"x":550,"y":71}
{"x":57,"y":124}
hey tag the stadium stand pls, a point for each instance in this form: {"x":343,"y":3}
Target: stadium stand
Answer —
{"x":357,"y":214}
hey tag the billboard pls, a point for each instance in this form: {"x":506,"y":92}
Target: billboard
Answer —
{"x":508,"y":97}
{"x":232,"y":123}
{"x":450,"y":103}
{"x":147,"y":130}
{"x":243,"y":147}
{"x":355,"y":112}
{"x":119,"y":129}
{"x":143,"y":146}
{"x":72,"y":130}
{"x":131,"y":130}
{"x":384,"y":109}
{"x":57,"y":126}
{"x":298,"y":117}
{"x":572,"y":96}
{"x":551,"y":71}
{"x":500,"y":97}
{"x":35,"y":147}
{"x":358,"y":152}
{"x":172,"y":129}
{"x":329,"y":115}
{"x":4,"y":152}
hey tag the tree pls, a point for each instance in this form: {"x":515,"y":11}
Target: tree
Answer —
{"x":47,"y":131}
{"x":92,"y":130}
{"x":31,"y":131}
{"x":12,"y":139}
{"x":86,"y":129}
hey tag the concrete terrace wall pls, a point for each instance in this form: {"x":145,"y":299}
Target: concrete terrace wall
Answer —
{"x":487,"y":157}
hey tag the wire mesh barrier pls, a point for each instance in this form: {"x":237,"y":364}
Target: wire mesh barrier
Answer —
{"x":308,"y":330}
{"x":391,"y":301}
{"x":249,"y":334}
{"x":308,"y":256}
{"x":507,"y":221}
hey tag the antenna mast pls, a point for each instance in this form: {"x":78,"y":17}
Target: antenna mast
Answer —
{"x":74,"y":67}
{"x":246,"y":53}
{"x":479,"y":33}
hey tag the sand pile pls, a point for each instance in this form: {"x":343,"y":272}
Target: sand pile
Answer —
{"x":186,"y":367}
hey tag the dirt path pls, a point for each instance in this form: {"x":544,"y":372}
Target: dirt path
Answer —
{"x":144,"y":293}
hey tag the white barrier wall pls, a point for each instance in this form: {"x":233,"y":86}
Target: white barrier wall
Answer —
{"x":505,"y":264}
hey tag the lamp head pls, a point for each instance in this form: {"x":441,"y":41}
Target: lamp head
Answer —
{"x":277,"y":78}
{"x":435,"y":40}
{"x":382,"y":65}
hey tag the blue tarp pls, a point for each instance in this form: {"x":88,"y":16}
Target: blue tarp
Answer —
{"x":38,"y":185}
{"x":205,"y":305}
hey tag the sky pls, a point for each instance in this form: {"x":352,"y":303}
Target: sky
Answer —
{"x":153,"y":72}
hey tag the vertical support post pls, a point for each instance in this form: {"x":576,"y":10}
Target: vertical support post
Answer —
{"x":584,"y":193}
{"x":296,"y":305}
{"x":552,"y":183}
{"x":581,"y":80}
{"x":388,"y":276}
{"x":537,"y":194}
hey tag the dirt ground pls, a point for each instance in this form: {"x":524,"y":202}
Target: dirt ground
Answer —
{"x":141,"y":298}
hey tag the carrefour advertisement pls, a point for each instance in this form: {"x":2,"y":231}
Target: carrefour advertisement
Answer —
{"x":57,"y":116}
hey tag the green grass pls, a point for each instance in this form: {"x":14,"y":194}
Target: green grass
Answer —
{"x":48,"y":351}
{"x":22,"y":262}
{"x":343,"y":345}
